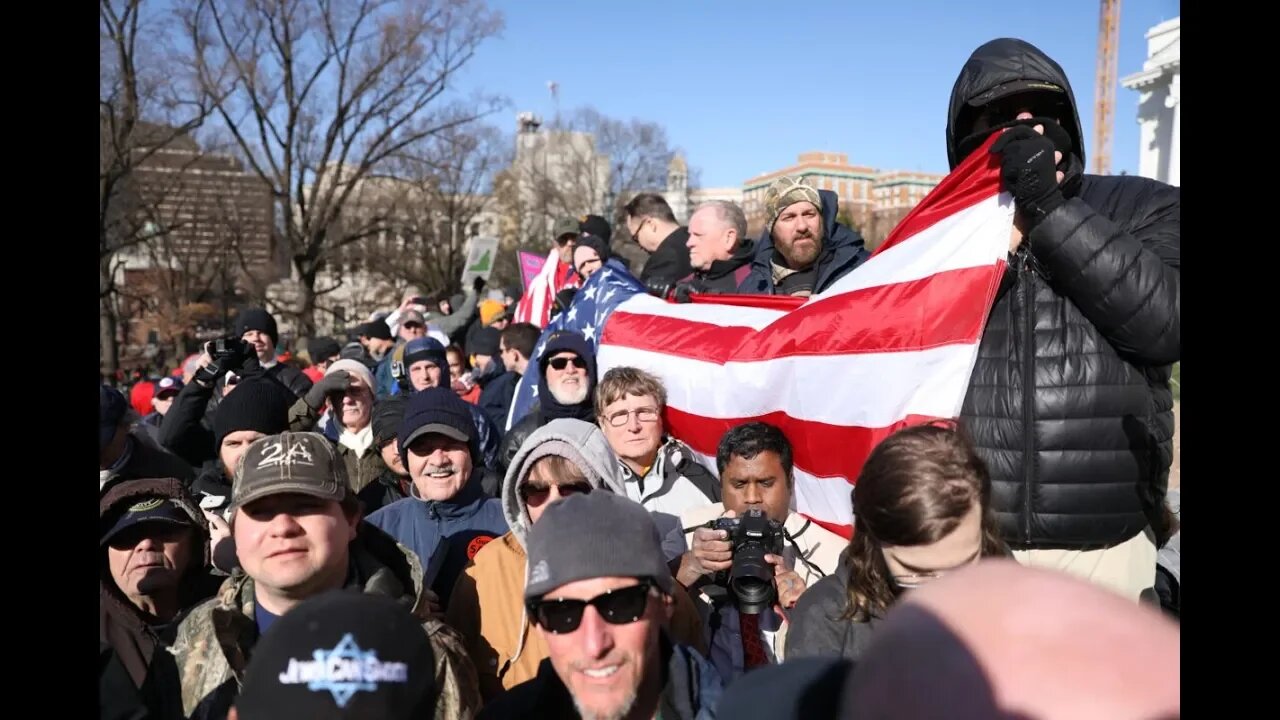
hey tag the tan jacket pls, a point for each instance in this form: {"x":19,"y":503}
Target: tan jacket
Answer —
{"x":214,"y":641}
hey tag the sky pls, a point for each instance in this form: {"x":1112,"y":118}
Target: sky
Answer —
{"x":743,"y":87}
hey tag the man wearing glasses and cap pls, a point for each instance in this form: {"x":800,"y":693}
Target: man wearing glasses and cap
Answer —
{"x":601,"y":595}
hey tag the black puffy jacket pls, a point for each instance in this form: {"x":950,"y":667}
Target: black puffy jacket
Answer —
{"x":1069,"y":401}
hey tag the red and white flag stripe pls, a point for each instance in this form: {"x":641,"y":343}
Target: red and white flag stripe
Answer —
{"x":891,"y":344}
{"x":535,"y":305}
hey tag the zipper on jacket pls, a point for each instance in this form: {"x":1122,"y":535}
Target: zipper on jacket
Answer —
{"x":1028,"y":384}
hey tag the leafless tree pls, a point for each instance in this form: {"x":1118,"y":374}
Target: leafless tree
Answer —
{"x":319,"y":95}
{"x":141,"y":114}
{"x":438,"y":200}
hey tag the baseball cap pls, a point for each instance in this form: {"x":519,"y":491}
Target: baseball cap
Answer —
{"x":341,"y":654}
{"x":148,"y":509}
{"x":409,"y":316}
{"x":565,"y":226}
{"x":168,"y":386}
{"x":291,"y":462}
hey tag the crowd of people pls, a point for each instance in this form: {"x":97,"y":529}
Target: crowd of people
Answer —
{"x":365,"y":529}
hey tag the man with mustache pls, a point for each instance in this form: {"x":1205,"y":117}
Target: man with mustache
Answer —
{"x":155,"y":558}
{"x":566,"y":388}
{"x":803,"y":250}
{"x":448,"y":516}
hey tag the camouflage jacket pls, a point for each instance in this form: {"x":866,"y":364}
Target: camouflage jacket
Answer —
{"x":215,"y":641}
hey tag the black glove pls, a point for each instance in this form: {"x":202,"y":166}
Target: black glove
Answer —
{"x":682,"y":290}
{"x":1029,"y":172}
{"x":478,"y":284}
{"x":336,"y":382}
{"x":658,"y":288}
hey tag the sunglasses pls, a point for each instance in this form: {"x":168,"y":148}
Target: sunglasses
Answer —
{"x":561,"y":363}
{"x":617,"y":607}
{"x":536,"y":494}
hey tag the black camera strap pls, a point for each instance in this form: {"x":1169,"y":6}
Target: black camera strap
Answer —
{"x":799,"y":551}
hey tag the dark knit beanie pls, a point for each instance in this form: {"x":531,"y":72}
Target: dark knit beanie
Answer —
{"x":438,"y":410}
{"x":388,"y":413}
{"x":257,"y":319}
{"x":427,"y":348}
{"x":257,"y":403}
{"x":485,"y":342}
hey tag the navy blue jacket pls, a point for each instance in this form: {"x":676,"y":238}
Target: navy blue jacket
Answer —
{"x":842,"y":250}
{"x":455,"y":528}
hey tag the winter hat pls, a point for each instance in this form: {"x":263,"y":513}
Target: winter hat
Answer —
{"x":596,"y":225}
{"x":485,"y":342}
{"x":376,"y":329}
{"x":322,"y":348}
{"x":437,"y":410}
{"x":491,"y":310}
{"x":595,"y":243}
{"x":355,"y":367}
{"x":388,"y":413}
{"x":111,"y":409}
{"x":786,"y":191}
{"x":258,"y":403}
{"x":595,"y":535}
{"x":257,"y":319}
{"x":427,"y":348}
{"x":341,"y":654}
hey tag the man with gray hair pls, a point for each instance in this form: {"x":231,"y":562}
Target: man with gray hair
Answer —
{"x":803,"y":250}
{"x":601,"y":595}
{"x":719,"y":250}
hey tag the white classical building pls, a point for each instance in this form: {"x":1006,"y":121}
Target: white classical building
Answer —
{"x":1159,"y":83}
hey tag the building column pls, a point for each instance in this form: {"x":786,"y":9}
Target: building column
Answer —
{"x":1174,"y":101}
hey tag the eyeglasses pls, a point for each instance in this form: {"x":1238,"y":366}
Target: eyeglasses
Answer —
{"x":617,"y":607}
{"x":635,"y":236}
{"x":535,"y":495}
{"x":561,"y":363}
{"x":644,"y":415}
{"x":411,"y":325}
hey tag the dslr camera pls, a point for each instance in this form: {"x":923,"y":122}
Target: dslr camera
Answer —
{"x":750,"y":580}
{"x":229,"y":354}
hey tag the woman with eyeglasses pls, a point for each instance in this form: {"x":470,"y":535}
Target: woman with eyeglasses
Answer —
{"x":921,"y":508}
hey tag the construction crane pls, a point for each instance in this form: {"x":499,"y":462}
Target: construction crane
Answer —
{"x":1105,"y":94}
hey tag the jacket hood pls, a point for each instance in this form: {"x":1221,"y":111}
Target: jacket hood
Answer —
{"x":576,"y":440}
{"x":551,"y":408}
{"x":995,"y":64}
{"x":124,"y":493}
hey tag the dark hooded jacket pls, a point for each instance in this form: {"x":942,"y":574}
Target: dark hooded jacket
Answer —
{"x":547,"y":407}
{"x":1069,"y":402}
{"x":843,"y":250}
{"x":726,"y":276}
{"x":670,"y":261}
{"x":138,"y":639}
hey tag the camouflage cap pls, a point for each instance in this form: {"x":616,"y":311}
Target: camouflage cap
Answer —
{"x":291,"y":462}
{"x":565,"y":226}
{"x":785,"y":191}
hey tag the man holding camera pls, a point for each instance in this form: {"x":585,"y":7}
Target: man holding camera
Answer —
{"x":257,"y":329}
{"x":750,"y":557}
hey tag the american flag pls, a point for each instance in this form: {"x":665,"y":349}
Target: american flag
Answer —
{"x":535,"y":305}
{"x":890,"y":344}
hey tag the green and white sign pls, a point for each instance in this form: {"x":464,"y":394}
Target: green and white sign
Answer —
{"x":481,"y":253}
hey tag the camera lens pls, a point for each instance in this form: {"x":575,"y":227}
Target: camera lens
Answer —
{"x":751,"y":579}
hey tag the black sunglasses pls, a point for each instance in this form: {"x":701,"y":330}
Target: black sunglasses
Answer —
{"x":617,"y":607}
{"x":561,"y":363}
